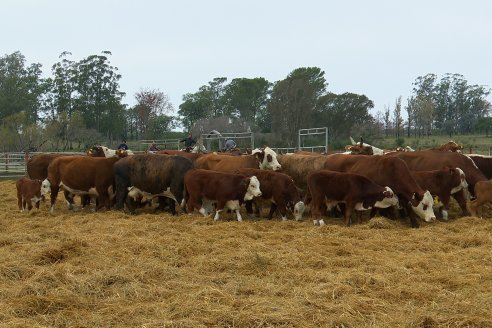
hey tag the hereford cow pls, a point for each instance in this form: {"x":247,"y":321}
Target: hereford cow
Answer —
{"x":278,"y":188}
{"x":262,"y":159}
{"x":483,"y":193}
{"x":224,"y":189}
{"x":28,"y":191}
{"x":427,"y":160}
{"x":391,"y":172}
{"x":442,"y":184}
{"x":145,"y":177}
{"x":375,"y":150}
{"x":81,"y":175}
{"x":299,"y":166}
{"x":356,"y":192}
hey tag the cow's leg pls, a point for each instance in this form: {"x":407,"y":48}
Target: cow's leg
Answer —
{"x":54,"y":195}
{"x":220,"y":208}
{"x":273,"y":208}
{"x":249,"y":208}
{"x":37,"y":203}
{"x":19,"y":200}
{"x":349,"y":207}
{"x":318,"y":209}
{"x":461,"y":199}
{"x":29,"y":204}
{"x":282,"y":209}
{"x":130,"y":204}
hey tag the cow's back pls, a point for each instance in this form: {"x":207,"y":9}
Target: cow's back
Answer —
{"x":225,"y":163}
{"x":37,"y":166}
{"x":425,"y":160}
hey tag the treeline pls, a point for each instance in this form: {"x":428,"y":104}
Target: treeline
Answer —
{"x":81,"y":104}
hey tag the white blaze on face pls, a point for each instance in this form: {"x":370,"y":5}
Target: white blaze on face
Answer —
{"x":424,"y":209}
{"x":253,"y":189}
{"x":45,"y":187}
{"x":387,"y":201}
{"x":299,"y":208}
{"x":463,"y":184}
{"x":108,"y":152}
{"x":270,"y":161}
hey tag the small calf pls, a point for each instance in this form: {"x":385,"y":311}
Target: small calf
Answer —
{"x":28,"y":191}
{"x":483,"y":194}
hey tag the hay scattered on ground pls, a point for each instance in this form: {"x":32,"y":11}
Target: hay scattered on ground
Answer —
{"x":107,"y":269}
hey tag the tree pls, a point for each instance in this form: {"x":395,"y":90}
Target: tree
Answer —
{"x":21,"y":87}
{"x":397,"y":118}
{"x":342,"y":113}
{"x":151,"y":105}
{"x":293,"y":102}
{"x":387,"y":120}
{"x":246,"y":98}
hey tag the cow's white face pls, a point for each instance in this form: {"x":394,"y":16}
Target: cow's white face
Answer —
{"x":390,"y":199}
{"x":253,"y":189}
{"x":45,"y":187}
{"x":269,"y":161}
{"x":299,"y":208}
{"x":424,"y":209}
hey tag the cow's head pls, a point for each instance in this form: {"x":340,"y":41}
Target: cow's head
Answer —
{"x":299,"y":208}
{"x":422,"y":206}
{"x":389,"y":199}
{"x":253,"y":188}
{"x":267,"y":158}
{"x":45,"y":187}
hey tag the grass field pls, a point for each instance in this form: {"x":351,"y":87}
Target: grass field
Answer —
{"x":110,"y":269}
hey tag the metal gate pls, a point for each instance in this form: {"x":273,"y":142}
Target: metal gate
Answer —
{"x":301,"y":141}
{"x":12,"y":165}
{"x":214,"y":141}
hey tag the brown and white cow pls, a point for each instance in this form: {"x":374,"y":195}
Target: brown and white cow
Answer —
{"x":356,"y":192}
{"x":265,"y":159}
{"x":442,"y":184}
{"x":388,"y":171}
{"x":279,"y":189}
{"x":141,"y":178}
{"x":224,"y":189}
{"x":37,"y":166}
{"x":81,"y":175}
{"x":103,"y":151}
{"x":28,"y":191}
{"x":185,"y":154}
{"x":483,"y":193}
{"x":427,"y":160}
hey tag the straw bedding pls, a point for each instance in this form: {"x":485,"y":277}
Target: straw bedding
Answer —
{"x":111,"y":269}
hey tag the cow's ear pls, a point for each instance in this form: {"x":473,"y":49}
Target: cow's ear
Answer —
{"x":245,"y":181}
{"x":260,"y":155}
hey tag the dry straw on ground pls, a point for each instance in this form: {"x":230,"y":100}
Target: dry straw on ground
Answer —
{"x":111,"y":269}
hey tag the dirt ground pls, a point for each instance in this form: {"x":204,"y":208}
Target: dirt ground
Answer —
{"x":111,"y":269}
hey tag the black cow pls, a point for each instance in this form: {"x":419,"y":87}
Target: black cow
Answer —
{"x":141,"y":178}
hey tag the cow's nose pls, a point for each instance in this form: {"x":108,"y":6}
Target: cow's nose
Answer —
{"x":278,"y":167}
{"x":259,"y":194}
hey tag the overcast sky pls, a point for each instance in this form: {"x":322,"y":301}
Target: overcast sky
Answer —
{"x":376,"y":48}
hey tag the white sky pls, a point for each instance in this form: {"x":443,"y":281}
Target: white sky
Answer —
{"x":376,"y":48}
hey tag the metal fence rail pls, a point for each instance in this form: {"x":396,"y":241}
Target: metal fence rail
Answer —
{"x":12,"y":165}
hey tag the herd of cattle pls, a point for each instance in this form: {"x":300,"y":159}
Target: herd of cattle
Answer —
{"x":363,"y":178}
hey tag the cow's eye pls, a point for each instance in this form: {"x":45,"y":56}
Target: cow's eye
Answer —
{"x":269,"y":158}
{"x":425,"y":207}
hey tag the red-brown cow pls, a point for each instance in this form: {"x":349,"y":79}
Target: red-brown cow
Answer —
{"x":259,"y":159}
{"x":356,"y":192}
{"x":28,"y":191}
{"x":81,"y":175}
{"x":224,"y":189}
{"x":388,"y":171}
{"x":37,"y":166}
{"x":278,"y":188}
{"x":185,"y":154}
{"x":442,"y":184}
{"x":484,"y":163}
{"x":427,"y":160}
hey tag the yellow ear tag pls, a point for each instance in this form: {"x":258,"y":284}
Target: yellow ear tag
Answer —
{"x":436,"y":200}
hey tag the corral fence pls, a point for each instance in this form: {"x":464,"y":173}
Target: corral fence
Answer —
{"x":313,"y":139}
{"x":161,"y":144}
{"x":14,"y":164}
